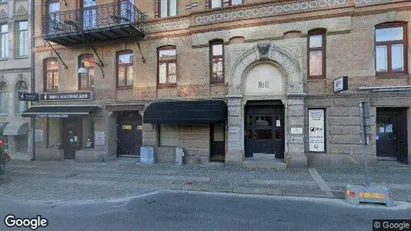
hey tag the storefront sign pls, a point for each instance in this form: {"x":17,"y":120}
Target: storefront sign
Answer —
{"x":233,"y":129}
{"x":53,"y":116}
{"x":38,"y":135}
{"x":316,"y":134}
{"x":24,"y":96}
{"x":341,"y":84}
{"x":66,"y":96}
{"x":296,"y":131}
{"x":99,"y":137}
{"x":297,"y":139}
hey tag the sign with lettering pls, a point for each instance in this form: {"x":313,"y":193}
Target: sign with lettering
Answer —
{"x":316,"y":134}
{"x":296,"y":131}
{"x":99,"y":137}
{"x":66,"y":96}
{"x":297,"y":139}
{"x":341,"y":84}
{"x":53,"y":116}
{"x":38,"y":135}
{"x":25,"y":96}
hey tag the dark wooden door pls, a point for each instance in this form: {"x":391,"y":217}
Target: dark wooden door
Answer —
{"x":217,"y":132}
{"x":264,"y":130}
{"x":72,"y":137}
{"x":129,"y":133}
{"x":392,"y":134}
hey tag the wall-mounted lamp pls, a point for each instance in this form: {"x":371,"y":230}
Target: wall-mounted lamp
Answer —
{"x":83,"y":69}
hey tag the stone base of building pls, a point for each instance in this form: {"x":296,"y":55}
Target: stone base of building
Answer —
{"x":335,"y":160}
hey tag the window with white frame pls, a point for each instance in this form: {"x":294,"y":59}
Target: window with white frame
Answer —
{"x":4,"y":41}
{"x":22,"y":39}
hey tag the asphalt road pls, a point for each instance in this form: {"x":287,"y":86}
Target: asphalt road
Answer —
{"x":203,"y":211}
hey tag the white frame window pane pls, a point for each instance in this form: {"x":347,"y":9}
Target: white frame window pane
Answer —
{"x":172,"y":73}
{"x":217,"y":49}
{"x":381,"y":56}
{"x":169,"y":54}
{"x":397,"y":57}
{"x":130,"y":75}
{"x":236,"y":2}
{"x":173,"y":7}
{"x":164,"y":8}
{"x":316,"y":63}
{"x":22,"y":38}
{"x":3,"y":102}
{"x":4,"y":41}
{"x":389,"y":34}
{"x":216,"y":3}
{"x":316,"y":41}
{"x":162,"y":73}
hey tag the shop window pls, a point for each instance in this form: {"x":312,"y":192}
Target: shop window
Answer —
{"x":86,"y":80}
{"x":390,"y":48}
{"x":217,"y":61}
{"x":54,"y":133}
{"x":125,"y":69}
{"x":3,"y":98}
{"x":167,"y":65}
{"x":316,"y":53}
{"x":168,"y":135}
{"x":20,"y":106}
{"x":167,"y":8}
{"x":51,"y":72}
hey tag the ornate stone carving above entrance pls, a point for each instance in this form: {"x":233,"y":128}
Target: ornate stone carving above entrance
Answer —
{"x":263,"y":50}
{"x":281,"y":59}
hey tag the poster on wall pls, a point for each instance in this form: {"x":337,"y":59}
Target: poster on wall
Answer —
{"x":38,"y":135}
{"x":99,"y":138}
{"x":316,"y":133}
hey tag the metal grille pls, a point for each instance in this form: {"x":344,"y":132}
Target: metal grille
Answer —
{"x":93,"y":18}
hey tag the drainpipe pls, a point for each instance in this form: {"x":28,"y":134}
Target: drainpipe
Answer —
{"x":33,"y":72}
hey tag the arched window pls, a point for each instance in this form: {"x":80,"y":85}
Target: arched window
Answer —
{"x":3,"y":98}
{"x":20,"y":106}
{"x":86,"y":80}
{"x":51,"y":74}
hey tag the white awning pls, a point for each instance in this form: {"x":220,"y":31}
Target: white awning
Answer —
{"x":16,"y":128}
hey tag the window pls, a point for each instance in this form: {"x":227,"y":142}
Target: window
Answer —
{"x":3,"y":98}
{"x":86,"y":81}
{"x":89,"y":14}
{"x":4,"y":41}
{"x":217,"y":62}
{"x":390,"y":48}
{"x":167,"y":8}
{"x":168,"y":135}
{"x":316,"y":54}
{"x":222,"y":3}
{"x":22,"y":39}
{"x":167,"y":65}
{"x":127,"y":11}
{"x":20,"y":106}
{"x":125,"y":69}
{"x":51,"y":75}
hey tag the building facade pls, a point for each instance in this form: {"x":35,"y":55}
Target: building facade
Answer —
{"x":15,"y":75}
{"x":226,"y":81}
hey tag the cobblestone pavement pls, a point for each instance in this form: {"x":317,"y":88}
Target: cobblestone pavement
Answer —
{"x":122,"y":177}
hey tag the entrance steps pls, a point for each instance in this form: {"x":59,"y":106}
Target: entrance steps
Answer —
{"x":264,"y":161}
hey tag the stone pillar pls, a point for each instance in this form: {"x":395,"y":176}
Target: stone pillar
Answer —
{"x":235,"y":150}
{"x":295,"y":113}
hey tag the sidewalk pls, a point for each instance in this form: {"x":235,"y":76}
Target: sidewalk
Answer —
{"x":68,"y":180}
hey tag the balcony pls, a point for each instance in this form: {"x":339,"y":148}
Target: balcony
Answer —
{"x":100,"y":23}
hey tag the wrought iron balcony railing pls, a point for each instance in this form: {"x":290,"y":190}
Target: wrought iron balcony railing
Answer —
{"x":96,"y":23}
